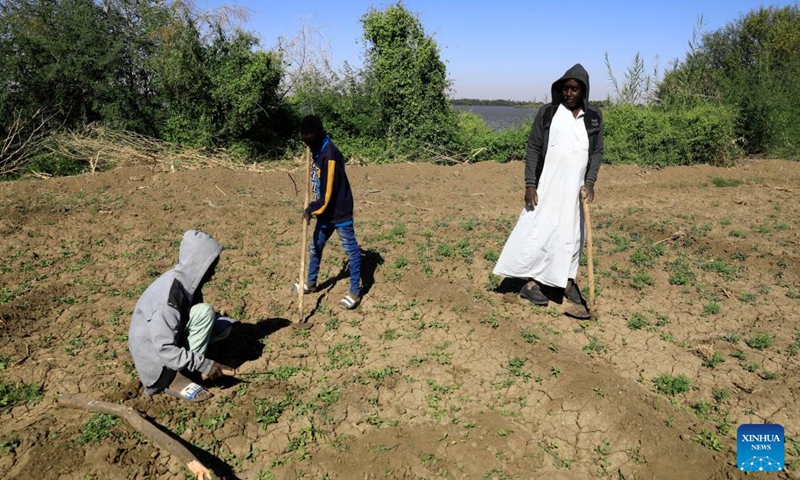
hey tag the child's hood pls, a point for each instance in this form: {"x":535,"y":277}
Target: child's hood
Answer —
{"x":198,"y":251}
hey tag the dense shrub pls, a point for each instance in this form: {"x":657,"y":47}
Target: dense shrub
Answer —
{"x":480,"y":142}
{"x":649,"y":135}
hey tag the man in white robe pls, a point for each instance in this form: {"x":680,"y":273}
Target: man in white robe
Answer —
{"x":563,"y":157}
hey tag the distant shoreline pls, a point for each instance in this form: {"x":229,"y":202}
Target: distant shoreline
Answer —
{"x":495,"y":103}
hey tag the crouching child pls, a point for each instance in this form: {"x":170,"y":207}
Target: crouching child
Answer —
{"x":171,"y":327}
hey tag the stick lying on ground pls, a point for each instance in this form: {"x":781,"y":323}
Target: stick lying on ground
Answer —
{"x":146,"y":428}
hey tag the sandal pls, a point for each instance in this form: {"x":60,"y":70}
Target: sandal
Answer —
{"x":349,"y":301}
{"x":191,"y":393}
{"x":306,"y":288}
{"x":185,"y":389}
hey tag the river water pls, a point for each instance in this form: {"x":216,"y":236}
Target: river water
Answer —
{"x":501,"y":117}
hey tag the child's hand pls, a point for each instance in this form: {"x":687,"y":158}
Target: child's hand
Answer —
{"x":307,"y":217}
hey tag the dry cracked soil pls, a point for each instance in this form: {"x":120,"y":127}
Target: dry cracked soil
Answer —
{"x":443,"y":371}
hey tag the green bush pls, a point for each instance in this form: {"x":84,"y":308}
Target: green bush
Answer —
{"x":653,"y":136}
{"x":480,"y":142}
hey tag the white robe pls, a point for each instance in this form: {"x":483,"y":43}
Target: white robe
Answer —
{"x":546,"y":243}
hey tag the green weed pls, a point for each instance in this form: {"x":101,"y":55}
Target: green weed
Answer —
{"x":708,"y":439}
{"x":712,"y":308}
{"x":97,"y":428}
{"x":671,"y":385}
{"x":714,"y":360}
{"x":682,"y":273}
{"x":726,"y":182}
{"x":19,"y":393}
{"x":594,"y":345}
{"x":268,"y":412}
{"x":760,"y":341}
{"x":638,"y":322}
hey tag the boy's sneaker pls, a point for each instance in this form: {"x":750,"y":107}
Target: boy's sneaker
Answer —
{"x":306,"y":288}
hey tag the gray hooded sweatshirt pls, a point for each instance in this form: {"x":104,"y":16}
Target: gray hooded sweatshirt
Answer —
{"x":162,"y":313}
{"x":540,"y":132}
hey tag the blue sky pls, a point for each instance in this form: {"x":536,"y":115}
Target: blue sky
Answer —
{"x":509,"y":49}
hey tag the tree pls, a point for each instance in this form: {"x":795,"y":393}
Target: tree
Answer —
{"x":407,"y":79}
{"x":57,"y":57}
{"x":752,"y":64}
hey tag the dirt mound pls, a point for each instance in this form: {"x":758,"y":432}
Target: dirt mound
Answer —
{"x":438,"y":374}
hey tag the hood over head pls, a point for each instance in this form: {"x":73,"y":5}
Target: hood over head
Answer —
{"x":198,"y":251}
{"x":577,"y":72}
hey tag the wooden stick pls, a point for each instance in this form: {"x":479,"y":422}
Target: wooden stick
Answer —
{"x":146,"y":428}
{"x":589,"y":251}
{"x":303,"y":246}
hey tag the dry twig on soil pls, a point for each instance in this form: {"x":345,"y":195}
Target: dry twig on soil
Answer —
{"x":145,"y":427}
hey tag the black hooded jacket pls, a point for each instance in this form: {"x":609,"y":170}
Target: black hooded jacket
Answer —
{"x":540,"y":132}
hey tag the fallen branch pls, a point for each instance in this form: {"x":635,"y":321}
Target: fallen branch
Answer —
{"x":296,"y":191}
{"x":418,"y":208}
{"x":146,"y":428}
{"x":675,"y":236}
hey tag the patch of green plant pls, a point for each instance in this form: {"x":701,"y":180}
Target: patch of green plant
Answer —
{"x":390,"y":334}
{"x":530,"y":336}
{"x":767,"y":375}
{"x":760,"y":341}
{"x":672,"y":385}
{"x":269,"y":412}
{"x":719,"y":266}
{"x":714,"y":360}
{"x":682,"y":273}
{"x":726,"y":182}
{"x":720,"y":394}
{"x":708,"y":439}
{"x":491,"y":256}
{"x":791,"y":350}
{"x":515,"y":368}
{"x":493,"y":282}
{"x":379,"y":375}
{"x":489,"y":320}
{"x":641,"y":280}
{"x":638,"y":322}
{"x":712,"y":308}
{"x":551,"y":448}
{"x":594,"y":345}
{"x":621,"y":242}
{"x":645,"y":255}
{"x":400,"y":262}
{"x":345,"y":353}
{"x":214,"y":421}
{"x":493,"y":473}
{"x":19,"y":393}
{"x":97,"y":428}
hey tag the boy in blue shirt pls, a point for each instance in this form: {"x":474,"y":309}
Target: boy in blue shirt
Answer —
{"x":331,"y":202}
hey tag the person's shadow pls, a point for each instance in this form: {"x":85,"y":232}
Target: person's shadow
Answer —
{"x":244,"y":344}
{"x":515,"y":285}
{"x":370,"y":261}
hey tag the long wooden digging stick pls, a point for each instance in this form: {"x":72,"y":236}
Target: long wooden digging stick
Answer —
{"x":303,"y":245}
{"x":146,"y":428}
{"x":589,"y":252}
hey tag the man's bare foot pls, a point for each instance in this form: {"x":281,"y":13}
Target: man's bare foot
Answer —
{"x":185,"y":389}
